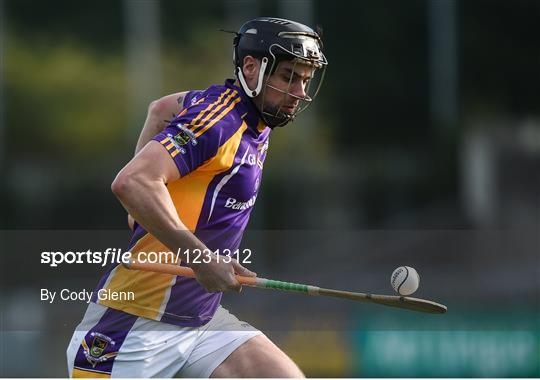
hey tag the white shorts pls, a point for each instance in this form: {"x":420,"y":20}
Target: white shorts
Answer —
{"x":110,"y":343}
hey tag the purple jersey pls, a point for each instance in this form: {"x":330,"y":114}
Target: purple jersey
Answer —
{"x":219,"y":144}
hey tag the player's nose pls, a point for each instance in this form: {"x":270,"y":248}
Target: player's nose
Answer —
{"x":298,"y":89}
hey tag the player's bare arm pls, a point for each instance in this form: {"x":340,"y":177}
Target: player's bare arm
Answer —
{"x":141,"y":188}
{"x":160,"y":111}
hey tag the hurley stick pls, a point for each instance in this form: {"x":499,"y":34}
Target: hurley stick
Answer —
{"x":401,"y":302}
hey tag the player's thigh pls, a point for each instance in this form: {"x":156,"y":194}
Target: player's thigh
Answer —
{"x":258,"y":357}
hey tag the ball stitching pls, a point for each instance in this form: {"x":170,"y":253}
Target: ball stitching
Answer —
{"x":405,"y":279}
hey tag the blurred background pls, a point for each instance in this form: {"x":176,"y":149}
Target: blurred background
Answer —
{"x":422,"y":149}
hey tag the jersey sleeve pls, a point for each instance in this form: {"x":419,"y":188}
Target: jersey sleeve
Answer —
{"x":195,"y":135}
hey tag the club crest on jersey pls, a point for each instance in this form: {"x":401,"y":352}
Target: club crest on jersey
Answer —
{"x":94,"y":353}
{"x":175,"y":143}
{"x":184,"y":136}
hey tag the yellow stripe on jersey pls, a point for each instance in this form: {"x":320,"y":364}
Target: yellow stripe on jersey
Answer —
{"x":224,"y":158}
{"x":173,"y":152}
{"x":149,"y":288}
{"x":185,"y":109}
{"x":218,"y":118}
{"x":188,"y":192}
{"x":219,"y":107}
{"x":87,"y":374}
{"x":210,"y":106}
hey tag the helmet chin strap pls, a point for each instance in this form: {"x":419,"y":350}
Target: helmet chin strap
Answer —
{"x":252,"y":93}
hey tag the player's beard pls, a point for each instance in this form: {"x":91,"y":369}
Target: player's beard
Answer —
{"x":271,"y":114}
{"x":274,"y":117}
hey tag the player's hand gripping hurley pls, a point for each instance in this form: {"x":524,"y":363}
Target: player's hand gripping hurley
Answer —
{"x":410,"y":303}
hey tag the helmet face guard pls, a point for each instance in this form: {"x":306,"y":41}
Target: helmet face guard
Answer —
{"x":274,"y":41}
{"x":274,"y":114}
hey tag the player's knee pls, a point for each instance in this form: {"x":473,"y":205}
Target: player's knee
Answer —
{"x":258,"y":357}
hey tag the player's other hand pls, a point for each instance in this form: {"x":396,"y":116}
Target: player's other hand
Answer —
{"x":219,"y":276}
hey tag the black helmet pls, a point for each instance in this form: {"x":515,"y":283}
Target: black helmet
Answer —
{"x":273,"y":40}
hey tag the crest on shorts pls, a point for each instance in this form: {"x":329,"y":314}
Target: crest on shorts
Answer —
{"x":94,"y":353}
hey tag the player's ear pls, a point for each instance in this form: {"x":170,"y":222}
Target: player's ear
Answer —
{"x":251,"y":67}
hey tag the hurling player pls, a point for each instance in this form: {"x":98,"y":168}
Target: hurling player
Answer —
{"x":192,"y":185}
